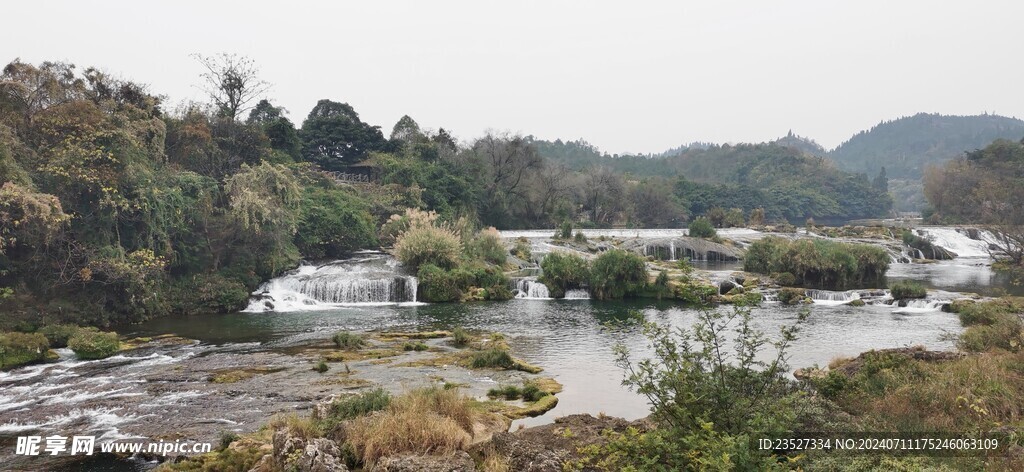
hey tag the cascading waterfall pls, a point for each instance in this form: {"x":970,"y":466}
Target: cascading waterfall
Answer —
{"x":672,"y":249}
{"x":953,"y":240}
{"x":530,"y":288}
{"x":373,"y":279}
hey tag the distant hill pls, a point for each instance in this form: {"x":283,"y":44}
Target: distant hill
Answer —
{"x":905,"y":146}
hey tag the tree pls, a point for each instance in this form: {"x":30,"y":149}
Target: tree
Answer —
{"x":655,"y":206}
{"x":333,"y":136}
{"x":279,"y":130}
{"x":604,"y":195}
{"x":27,"y":90}
{"x":881,"y":182}
{"x":232,"y":82}
{"x":406,"y":131}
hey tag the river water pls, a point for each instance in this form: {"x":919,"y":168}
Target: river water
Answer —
{"x":121,"y":397}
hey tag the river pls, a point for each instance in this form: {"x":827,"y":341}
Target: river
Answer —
{"x":135,"y":394}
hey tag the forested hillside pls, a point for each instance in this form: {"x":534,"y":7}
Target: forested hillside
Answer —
{"x":905,"y":146}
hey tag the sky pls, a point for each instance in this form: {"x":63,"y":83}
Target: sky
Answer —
{"x":638,"y":76}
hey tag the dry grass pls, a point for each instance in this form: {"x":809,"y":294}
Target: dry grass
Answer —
{"x":493,"y":461}
{"x":427,"y":421}
{"x":838,"y":362}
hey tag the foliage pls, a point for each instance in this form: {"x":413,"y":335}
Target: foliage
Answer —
{"x":617,"y":273}
{"x":528,"y":392}
{"x":29,"y":219}
{"x":334,"y":137}
{"x":22,"y":348}
{"x":438,"y":246}
{"x":58,"y":334}
{"x":321,"y":367}
{"x":818,"y":262}
{"x":704,"y":397}
{"x":701,"y":227}
{"x":563,"y":271}
{"x":347,"y":340}
{"x":564,"y":231}
{"x":488,"y":246}
{"x":991,"y":325}
{"x":354,"y":406}
{"x":209,"y":293}
{"x":333,"y":223}
{"x":414,"y":346}
{"x":460,"y":337}
{"x":493,"y":357}
{"x":907,"y":289}
{"x":94,"y":344}
{"x":984,"y":187}
{"x":580,"y":237}
{"x":522,"y":250}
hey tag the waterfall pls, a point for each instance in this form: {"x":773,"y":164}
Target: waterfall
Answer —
{"x":368,"y":280}
{"x":577,"y":294}
{"x":672,"y":249}
{"x":953,"y":240}
{"x":828,"y":297}
{"x":920,"y":306}
{"x":529,"y":288}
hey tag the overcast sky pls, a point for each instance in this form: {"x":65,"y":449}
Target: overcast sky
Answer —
{"x":626,"y":76}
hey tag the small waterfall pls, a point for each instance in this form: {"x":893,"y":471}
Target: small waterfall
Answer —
{"x":368,"y":280}
{"x":954,"y":240}
{"x":529,"y":288}
{"x":828,"y":297}
{"x":672,"y":249}
{"x":577,"y":294}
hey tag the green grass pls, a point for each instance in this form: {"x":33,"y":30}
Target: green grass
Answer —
{"x":905,"y":289}
{"x":94,"y":344}
{"x":499,"y":358}
{"x":414,"y":346}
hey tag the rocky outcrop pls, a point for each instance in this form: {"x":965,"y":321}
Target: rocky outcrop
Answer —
{"x":546,"y":448}
{"x":918,"y":353}
{"x":313,"y":455}
{"x":458,"y":462}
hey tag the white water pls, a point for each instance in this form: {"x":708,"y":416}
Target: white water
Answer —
{"x":959,"y":243}
{"x":827,"y":297}
{"x":529,"y":288}
{"x":370,"y":280}
{"x":577,"y":295}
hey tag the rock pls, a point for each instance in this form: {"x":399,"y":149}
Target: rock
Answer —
{"x":918,"y":353}
{"x":316,"y":455}
{"x":546,"y":448}
{"x":725,"y":286}
{"x":856,"y":302}
{"x":265,"y":464}
{"x":808,"y":373}
{"x":458,"y":462}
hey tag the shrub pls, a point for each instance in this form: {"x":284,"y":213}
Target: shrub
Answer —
{"x":493,"y":357}
{"x":791,"y":296}
{"x":428,"y":245}
{"x":22,"y":348}
{"x":434,"y":421}
{"x":617,"y":273}
{"x":580,"y":237}
{"x":757,"y":217}
{"x":460,"y":337}
{"x":414,"y":346}
{"x":499,"y":293}
{"x":508,"y":392}
{"x":226,"y":438}
{"x":908,"y":289}
{"x":564,"y":271}
{"x":321,"y":367}
{"x":437,"y":284}
{"x":701,"y":227}
{"x":522,"y":250}
{"x":785,"y":279}
{"x":94,"y":344}
{"x":348,"y":341}
{"x":332,"y":223}
{"x":58,"y":334}
{"x":564,"y":231}
{"x":704,"y":400}
{"x":734,"y":218}
{"x":488,"y":246}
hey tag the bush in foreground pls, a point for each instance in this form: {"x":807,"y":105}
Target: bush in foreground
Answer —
{"x":428,"y":245}
{"x":430,"y":420}
{"x":94,"y":344}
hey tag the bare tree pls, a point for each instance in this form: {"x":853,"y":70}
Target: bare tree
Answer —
{"x":232,"y":82}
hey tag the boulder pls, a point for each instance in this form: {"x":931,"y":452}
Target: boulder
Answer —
{"x":314,"y":455}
